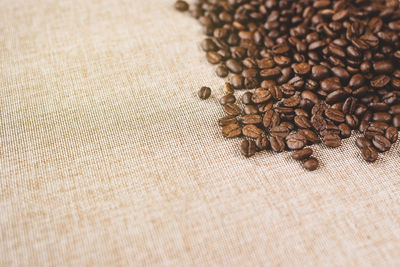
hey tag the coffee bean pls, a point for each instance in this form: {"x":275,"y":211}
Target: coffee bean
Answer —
{"x":295,"y":141}
{"x":352,"y":121}
{"x":331,"y":84}
{"x":252,"y":131}
{"x":270,"y":73}
{"x":227,"y":88}
{"x":310,"y":135}
{"x":381,"y":143}
{"x":396,"y":121}
{"x":302,"y":122}
{"x":237,"y":81}
{"x":345,"y":131}
{"x":369,"y":154}
{"x":277,"y":143}
{"x":275,"y":92}
{"x":380,"y":81}
{"x":232,"y":109}
{"x":181,"y":6}
{"x":382,"y":116}
{"x":251,"y":119}
{"x":233,"y":65}
{"x":213,"y":57}
{"x":391,"y":134}
{"x":311,"y":164}
{"x":319,"y":72}
{"x":229,"y":98}
{"x":266,"y":63}
{"x":224,"y":121}
{"x":261,"y":95}
{"x":302,"y":154}
{"x":231,"y":130}
{"x":250,"y":110}
{"x":372,"y":131}
{"x":204,"y":92}
{"x":318,"y":122}
{"x":221,"y":71}
{"x":331,"y":140}
{"x":246,"y":98}
{"x":262,"y":143}
{"x":334,"y":115}
{"x":208,"y":45}
{"x":357,"y":81}
{"x":302,"y":68}
{"x":335,"y":96}
{"x":280,"y":131}
{"x":248,"y":148}
{"x":362,"y":142}
{"x":383,"y":66}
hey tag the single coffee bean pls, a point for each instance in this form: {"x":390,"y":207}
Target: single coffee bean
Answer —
{"x":352,"y":121}
{"x":277,"y":143}
{"x":334,"y":115}
{"x":292,"y":102}
{"x":318,"y":122}
{"x":276,"y":92}
{"x":261,"y":95}
{"x":252,"y":131}
{"x":301,"y":68}
{"x":336,"y":96}
{"x":248,"y":148}
{"x":345,"y":131}
{"x":331,"y":129}
{"x":213,"y":57}
{"x":227,"y":88}
{"x":250,"y":110}
{"x":382,"y":116}
{"x":232,"y":109}
{"x":295,"y":141}
{"x":224,"y":121}
{"x":381,"y":143}
{"x":221,"y":71}
{"x":383,"y":66}
{"x":331,"y":84}
{"x":231,"y":130}
{"x":362,"y":142}
{"x":246,"y":98}
{"x":208,"y":45}
{"x":181,"y":6}
{"x":279,"y":130}
{"x":311,"y":164}
{"x":237,"y":81}
{"x":204,"y":92}
{"x":302,"y":154}
{"x":331,"y":140}
{"x":233,"y":65}
{"x":380,"y":81}
{"x":270,"y":119}
{"x":320,"y":72}
{"x":369,"y":154}
{"x":372,"y":131}
{"x":270,"y":73}
{"x":357,"y":81}
{"x":251,"y":119}
{"x":392,"y":134}
{"x":302,"y":122}
{"x":229,"y":98}
{"x":262,"y":143}
{"x":310,"y":135}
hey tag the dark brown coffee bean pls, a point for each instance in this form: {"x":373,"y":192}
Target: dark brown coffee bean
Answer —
{"x":382,"y":116}
{"x":380,"y":81}
{"x":316,"y":45}
{"x":302,"y":122}
{"x":311,"y":164}
{"x":277,"y":143}
{"x":232,"y":109}
{"x":334,"y":115}
{"x":318,"y":122}
{"x":279,"y":130}
{"x":224,"y":121}
{"x":246,"y":98}
{"x":320,"y":72}
{"x":252,"y":131}
{"x":276,"y":92}
{"x":251,"y":119}
{"x":310,"y":96}
{"x":265,"y":63}
{"x":392,"y":134}
{"x":181,"y":6}
{"x":221,"y":71}
{"x":234,"y":66}
{"x":288,"y":125}
{"x":264,"y":107}
{"x":250,"y":110}
{"x":336,"y":96}
{"x":396,"y":121}
{"x":282,"y":61}
{"x":262,"y":143}
{"x":271,"y":119}
{"x":270,"y":73}
{"x":345,"y":131}
{"x":249,"y":73}
{"x":372,"y":131}
{"x":237,"y":81}
{"x":229,"y":98}
{"x":208,"y":45}
{"x":331,"y":129}
{"x":336,"y":51}
{"x":248,"y":148}
{"x":204,"y":92}
{"x":362,"y":142}
{"x":310,"y":135}
{"x":292,"y":102}
{"x":302,"y":154}
{"x":369,"y":154}
{"x":381,"y":143}
{"x":261,"y":95}
{"x":213,"y":57}
{"x":331,"y":140}
{"x":357,"y":81}
{"x":231,"y":130}
{"x":383,"y":66}
{"x":331,"y":84}
{"x":295,"y":141}
{"x":301,"y":68}
{"x":352,"y":121}
{"x":288,"y":89}
{"x":341,"y":73}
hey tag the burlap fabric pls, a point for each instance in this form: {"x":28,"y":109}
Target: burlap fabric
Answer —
{"x":108,"y":158}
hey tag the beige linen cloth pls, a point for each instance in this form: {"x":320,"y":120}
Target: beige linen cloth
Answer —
{"x":108,"y":158}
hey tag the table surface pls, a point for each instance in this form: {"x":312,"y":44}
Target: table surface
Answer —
{"x":107,"y":157}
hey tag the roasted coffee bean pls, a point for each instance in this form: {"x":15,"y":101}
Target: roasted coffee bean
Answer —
{"x":277,"y":143}
{"x":251,"y":119}
{"x":318,"y":122}
{"x":221,"y":71}
{"x":311,"y":164}
{"x":291,"y":102}
{"x":301,"y":68}
{"x":237,"y":81}
{"x":213,"y":57}
{"x":270,"y":73}
{"x":382,"y":116}
{"x":331,"y":129}
{"x":234,"y":66}
{"x":262,"y":143}
{"x":204,"y":92}
{"x":310,"y":135}
{"x":362,"y":142}
{"x":250,"y":110}
{"x":281,"y":131}
{"x":261,"y":95}
{"x":248,"y":148}
{"x":369,"y":154}
{"x":224,"y":121}
{"x":335,"y":96}
{"x":345,"y":131}
{"x":372,"y":131}
{"x":331,"y":140}
{"x":227,"y":88}
{"x":232,"y":109}
{"x":334,"y":115}
{"x":331,"y":84}
{"x":381,"y":143}
{"x":302,"y":154}
{"x":392,"y":134}
{"x":295,"y":141}
{"x":276,"y":92}
{"x":287,"y":89}
{"x":302,"y":122}
{"x":208,"y":45}
{"x":352,"y":121}
{"x":310,"y":96}
{"x":282,"y":61}
{"x":246,"y":98}
{"x":320,"y":72}
{"x":380,"y":81}
{"x":229,"y":98}
{"x":357,"y":81}
{"x":264,"y":107}
{"x":396,"y":121}
{"x":383,"y":66}
{"x":181,"y":6}
{"x":252,"y":131}
{"x":231,"y":130}
{"x":288,"y":125}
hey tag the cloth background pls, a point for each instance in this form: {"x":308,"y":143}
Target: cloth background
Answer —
{"x":109,"y":158}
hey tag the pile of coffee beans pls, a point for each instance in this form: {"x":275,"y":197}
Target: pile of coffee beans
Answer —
{"x":313,"y":71}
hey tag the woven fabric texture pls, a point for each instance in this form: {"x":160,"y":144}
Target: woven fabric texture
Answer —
{"x":108,"y":158}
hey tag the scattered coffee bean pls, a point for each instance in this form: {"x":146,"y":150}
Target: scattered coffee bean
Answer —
{"x":302,"y":154}
{"x":181,"y":6}
{"x":248,"y":148}
{"x":231,"y":130}
{"x":311,"y":164}
{"x":204,"y":92}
